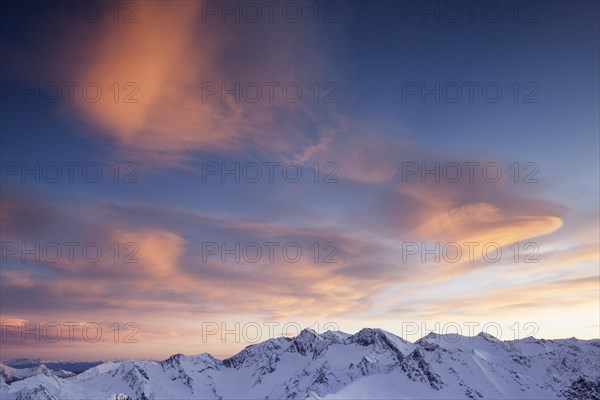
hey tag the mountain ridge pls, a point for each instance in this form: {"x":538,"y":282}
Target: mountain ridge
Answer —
{"x":371,"y":363}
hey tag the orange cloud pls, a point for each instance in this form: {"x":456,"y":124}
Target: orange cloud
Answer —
{"x":158,"y":252}
{"x":485,"y":223}
{"x":161,"y":65}
{"x":471,"y":212}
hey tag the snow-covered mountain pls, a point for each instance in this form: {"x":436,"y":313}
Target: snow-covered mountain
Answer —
{"x":76,"y":367}
{"x":367,"y":365}
{"x":10,"y":374}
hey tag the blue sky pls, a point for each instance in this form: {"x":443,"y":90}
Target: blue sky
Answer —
{"x":370,"y":63}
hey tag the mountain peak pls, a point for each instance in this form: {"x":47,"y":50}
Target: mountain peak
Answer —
{"x":335,"y":336}
{"x":367,"y":335}
{"x":308,"y":333}
{"x":488,"y":337}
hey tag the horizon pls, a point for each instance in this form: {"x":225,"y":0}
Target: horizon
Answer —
{"x":195,"y":176}
{"x":221,"y":358}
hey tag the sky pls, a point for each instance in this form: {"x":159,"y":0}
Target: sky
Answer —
{"x":190,"y":177}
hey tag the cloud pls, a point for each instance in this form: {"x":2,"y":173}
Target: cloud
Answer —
{"x":420,"y":208}
{"x":156,"y":76}
{"x":22,"y":218}
{"x":484,"y":223}
{"x":158,"y":251}
{"x":478,"y":211}
{"x":172,"y":261}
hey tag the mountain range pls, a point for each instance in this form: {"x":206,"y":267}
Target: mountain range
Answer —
{"x":370,"y":364}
